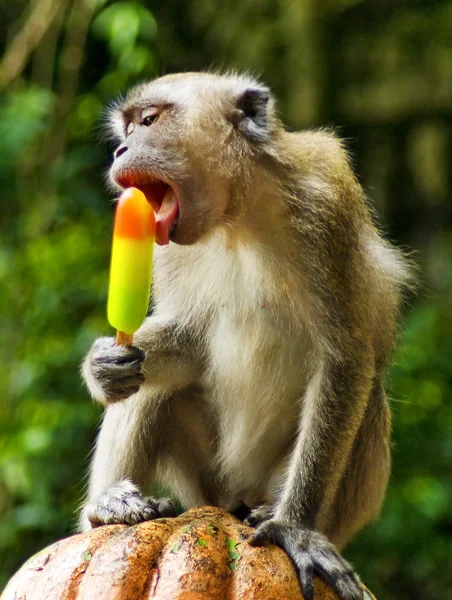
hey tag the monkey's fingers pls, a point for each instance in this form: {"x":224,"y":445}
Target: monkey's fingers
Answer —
{"x":123,"y":504}
{"x":164,"y":506}
{"x":119,"y":386}
{"x":311,"y":553}
{"x":258,"y":515}
{"x":335,"y":571}
{"x":105,"y":350}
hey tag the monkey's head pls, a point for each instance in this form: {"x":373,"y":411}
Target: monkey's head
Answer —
{"x":190,"y":142}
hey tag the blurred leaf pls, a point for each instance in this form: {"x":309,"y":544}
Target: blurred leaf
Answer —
{"x":121,"y":23}
{"x":134,"y":60}
{"x":24,"y":114}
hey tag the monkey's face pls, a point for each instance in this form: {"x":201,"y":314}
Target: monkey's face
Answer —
{"x":189,"y":142}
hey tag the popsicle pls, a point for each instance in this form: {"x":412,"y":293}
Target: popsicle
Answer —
{"x":131,"y":264}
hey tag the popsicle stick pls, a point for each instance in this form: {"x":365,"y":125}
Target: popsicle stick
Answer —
{"x":124,"y":339}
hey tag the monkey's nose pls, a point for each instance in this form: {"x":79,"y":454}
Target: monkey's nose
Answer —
{"x":120,"y":151}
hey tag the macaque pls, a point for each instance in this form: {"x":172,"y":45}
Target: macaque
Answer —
{"x":256,"y":382}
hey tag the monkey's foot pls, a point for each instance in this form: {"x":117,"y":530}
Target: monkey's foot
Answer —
{"x":312,"y":554}
{"x":122,"y":503}
{"x":259,"y":514}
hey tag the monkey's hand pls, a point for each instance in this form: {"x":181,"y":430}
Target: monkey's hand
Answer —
{"x":111,"y":372}
{"x":123,"y":503}
{"x":312,"y":554}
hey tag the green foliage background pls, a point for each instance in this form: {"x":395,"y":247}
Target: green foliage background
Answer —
{"x":380,"y":71}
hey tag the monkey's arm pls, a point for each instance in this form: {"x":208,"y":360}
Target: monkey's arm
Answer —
{"x":163,"y":356}
{"x":332,"y":412}
{"x":328,"y":216}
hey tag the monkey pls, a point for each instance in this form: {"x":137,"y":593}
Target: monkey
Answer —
{"x":256,"y":382}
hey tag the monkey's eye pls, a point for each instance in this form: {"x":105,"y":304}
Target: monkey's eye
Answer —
{"x":149,"y":119}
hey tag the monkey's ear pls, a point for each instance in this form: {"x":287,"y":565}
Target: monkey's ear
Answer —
{"x":251,"y":113}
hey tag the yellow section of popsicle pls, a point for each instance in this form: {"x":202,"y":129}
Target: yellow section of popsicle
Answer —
{"x":131,"y":261}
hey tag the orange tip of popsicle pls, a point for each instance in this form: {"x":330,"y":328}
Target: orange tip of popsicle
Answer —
{"x":135,"y":218}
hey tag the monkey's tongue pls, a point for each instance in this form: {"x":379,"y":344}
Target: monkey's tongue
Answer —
{"x":166,"y":217}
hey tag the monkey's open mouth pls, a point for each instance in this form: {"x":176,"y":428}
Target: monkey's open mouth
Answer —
{"x":163,"y":200}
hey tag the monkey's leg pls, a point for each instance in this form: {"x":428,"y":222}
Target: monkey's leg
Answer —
{"x":124,"y":462}
{"x":143,"y":440}
{"x":363,"y":486}
{"x":187,"y":448}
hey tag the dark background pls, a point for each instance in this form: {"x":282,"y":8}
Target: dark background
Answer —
{"x":379,"y":71}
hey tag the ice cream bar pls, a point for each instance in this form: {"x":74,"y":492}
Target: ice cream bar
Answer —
{"x":131,"y":264}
